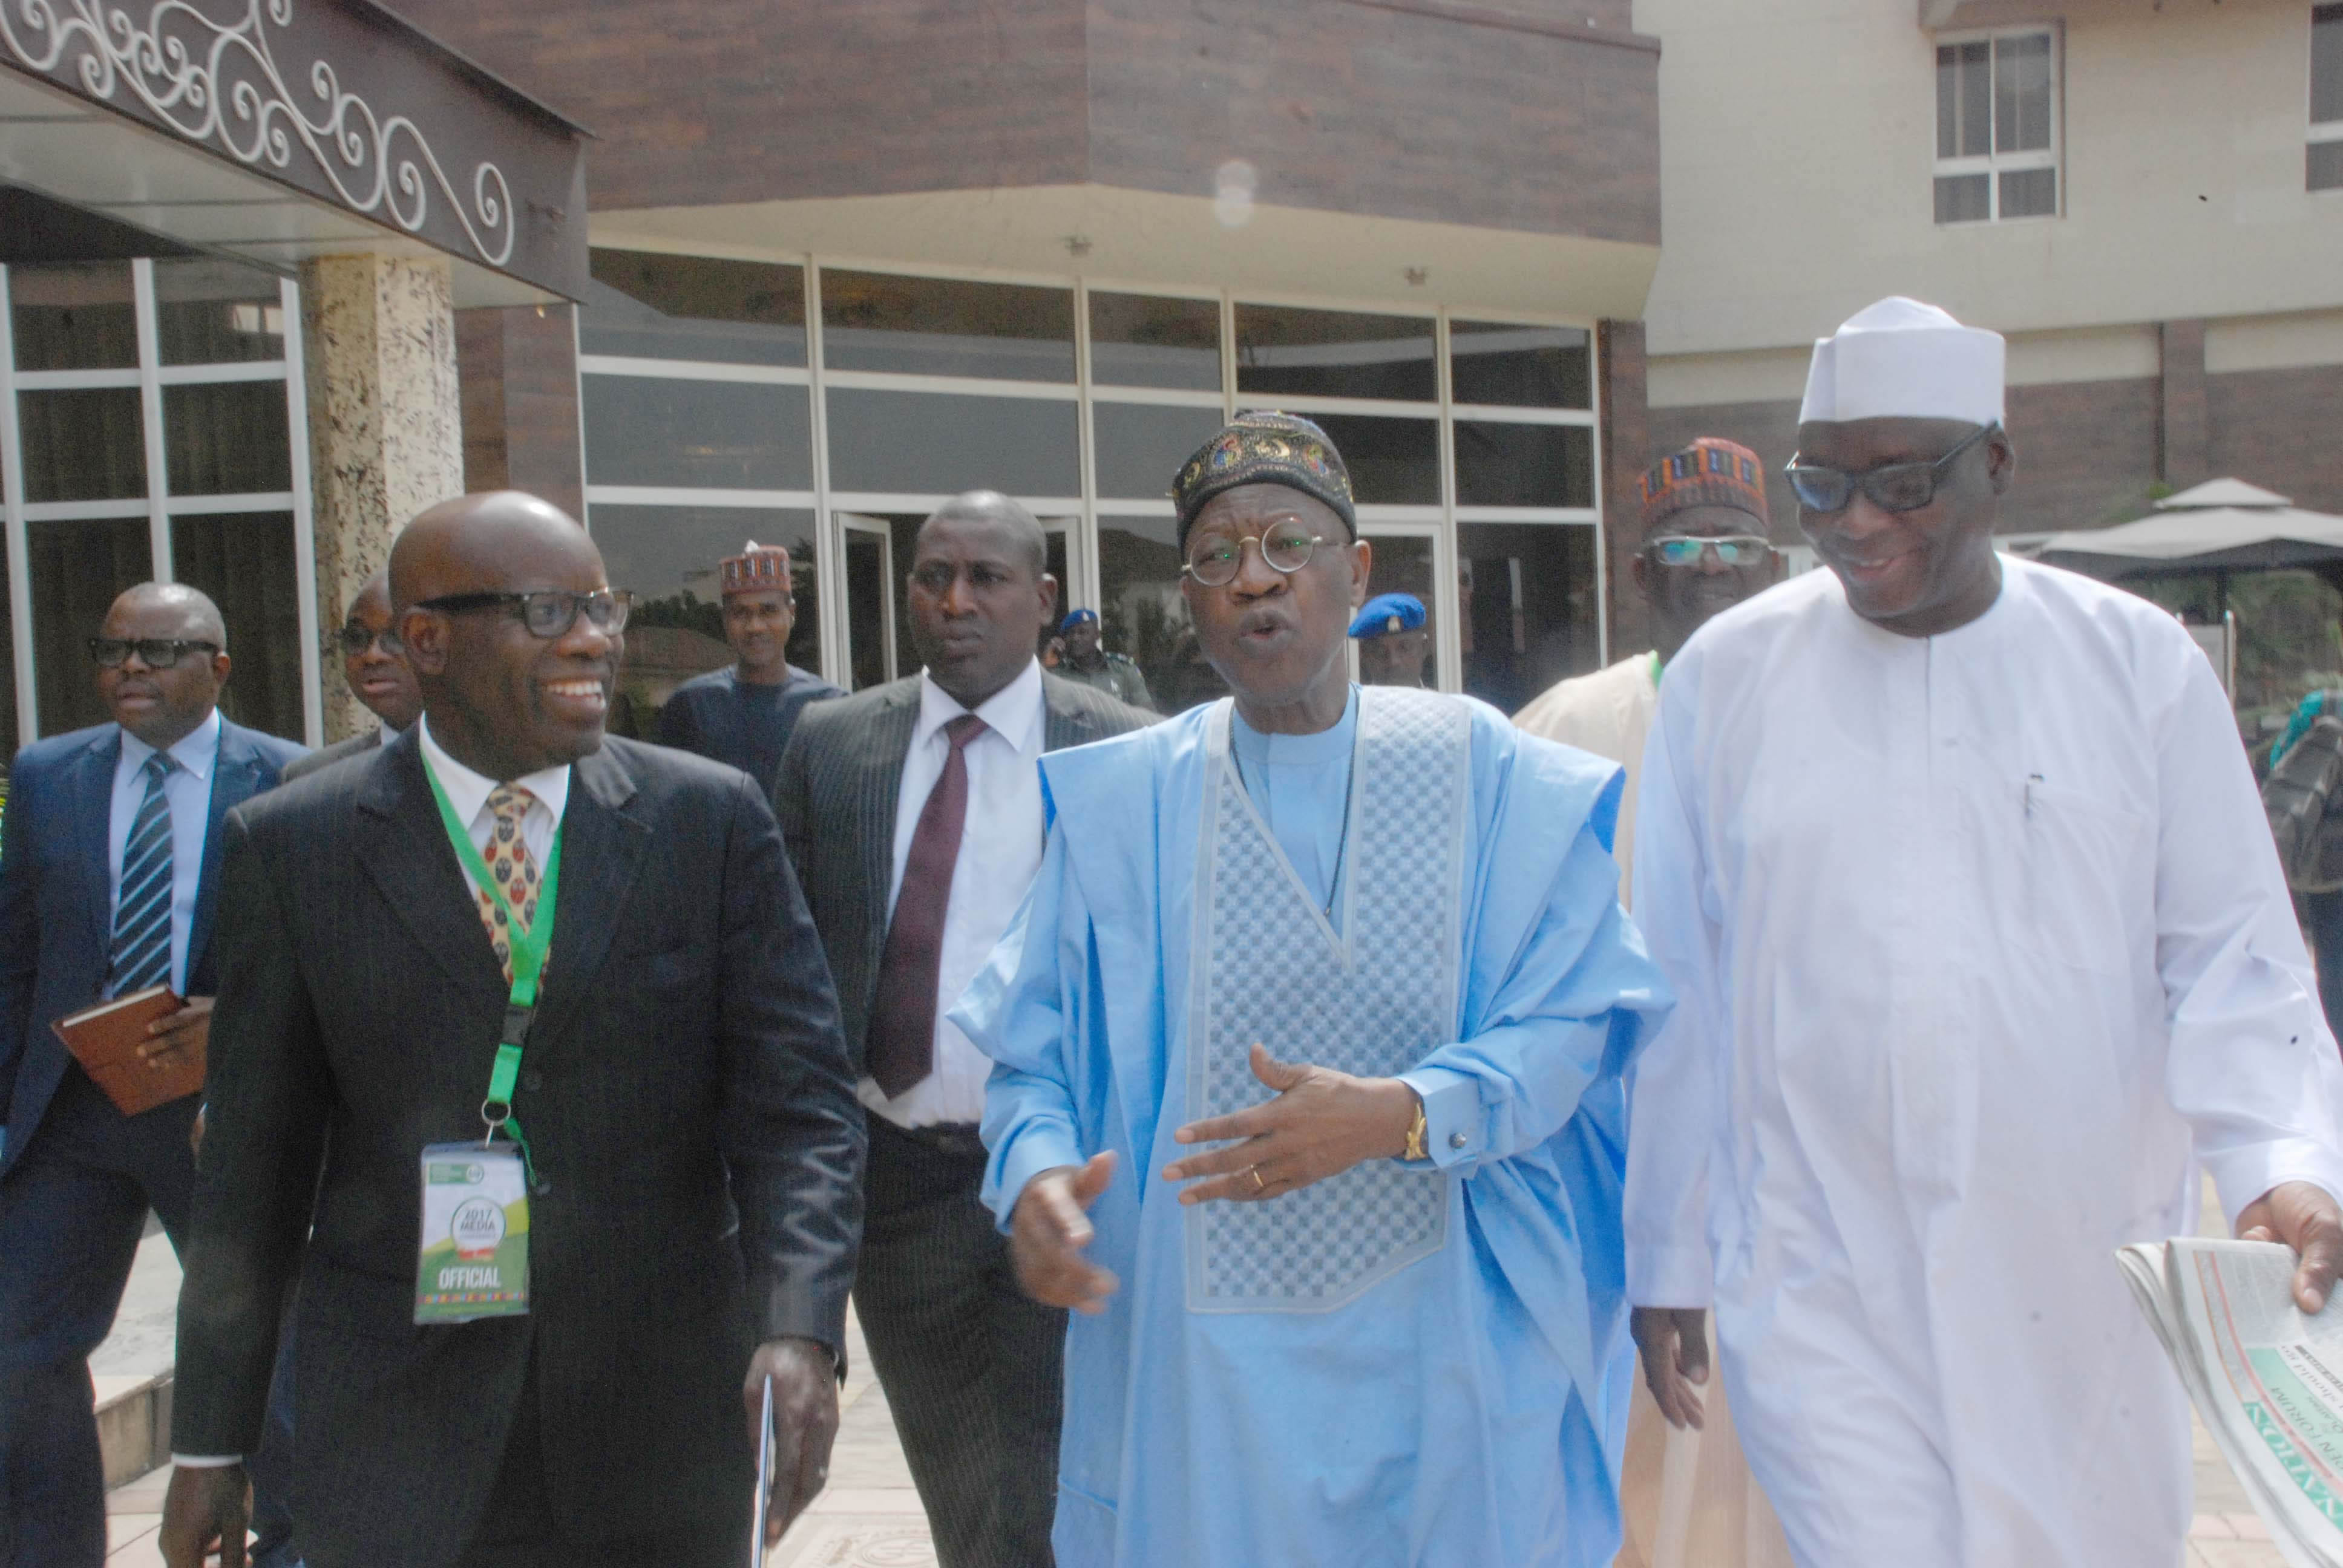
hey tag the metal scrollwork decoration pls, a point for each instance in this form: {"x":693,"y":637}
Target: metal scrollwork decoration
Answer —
{"x":219,"y":84}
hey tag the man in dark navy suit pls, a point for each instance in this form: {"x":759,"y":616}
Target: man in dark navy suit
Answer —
{"x":108,"y":876}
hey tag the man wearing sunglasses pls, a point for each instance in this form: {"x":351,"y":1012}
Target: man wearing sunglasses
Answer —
{"x":1309,"y":1038}
{"x":108,"y":880}
{"x":375,"y":667}
{"x":1959,"y":867}
{"x":583,"y":962}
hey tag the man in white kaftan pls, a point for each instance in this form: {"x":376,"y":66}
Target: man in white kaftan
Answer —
{"x":1958,"y":869}
{"x":1348,"y":965}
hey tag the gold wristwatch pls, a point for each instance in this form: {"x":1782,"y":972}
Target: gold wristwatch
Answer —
{"x":1415,"y":1130}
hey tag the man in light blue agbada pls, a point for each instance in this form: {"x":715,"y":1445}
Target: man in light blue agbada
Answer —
{"x":1309,"y":1040}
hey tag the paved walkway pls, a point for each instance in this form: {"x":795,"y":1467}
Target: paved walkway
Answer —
{"x":868,"y":1516}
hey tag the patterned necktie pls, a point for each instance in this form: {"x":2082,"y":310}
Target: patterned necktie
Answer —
{"x":141,"y":953}
{"x":903,"y":1037}
{"x":509,"y":862}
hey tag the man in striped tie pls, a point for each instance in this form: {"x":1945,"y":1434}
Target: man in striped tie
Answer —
{"x":105,"y":875}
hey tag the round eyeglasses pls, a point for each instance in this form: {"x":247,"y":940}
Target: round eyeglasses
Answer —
{"x":1214,"y":561}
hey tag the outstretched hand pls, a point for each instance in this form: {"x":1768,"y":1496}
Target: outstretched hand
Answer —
{"x":1320,"y":1125}
{"x":1049,"y":1229}
{"x":2305,"y":1218}
{"x":1674,"y":1344}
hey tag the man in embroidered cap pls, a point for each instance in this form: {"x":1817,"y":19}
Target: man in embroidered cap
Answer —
{"x":1393,"y":639}
{"x":743,"y":715}
{"x":1958,"y":865}
{"x":1087,"y":661}
{"x":1310,"y":1036}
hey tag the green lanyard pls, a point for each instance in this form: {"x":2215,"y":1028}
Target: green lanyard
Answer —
{"x":527,"y":962}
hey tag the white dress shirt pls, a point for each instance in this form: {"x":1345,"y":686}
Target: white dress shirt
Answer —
{"x":999,"y":850}
{"x":188,"y":793}
{"x":469,"y":793}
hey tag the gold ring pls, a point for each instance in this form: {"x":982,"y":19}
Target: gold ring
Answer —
{"x":1258,"y":1184}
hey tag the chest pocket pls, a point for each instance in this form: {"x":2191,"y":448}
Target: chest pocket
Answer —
{"x":2086,"y":876}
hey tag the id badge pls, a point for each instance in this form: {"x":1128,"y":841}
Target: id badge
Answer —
{"x":475,"y":1249}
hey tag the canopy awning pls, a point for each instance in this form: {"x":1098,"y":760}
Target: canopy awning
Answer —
{"x":2220,"y":525}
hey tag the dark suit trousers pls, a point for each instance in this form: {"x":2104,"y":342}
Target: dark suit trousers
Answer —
{"x":71,"y":1213}
{"x":973,"y":1367}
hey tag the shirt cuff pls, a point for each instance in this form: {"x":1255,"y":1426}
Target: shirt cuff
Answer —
{"x":2243,"y":1175}
{"x":205,"y":1461}
{"x":1040,"y":1145}
{"x":1673,"y":1274}
{"x":1456,"y":1128}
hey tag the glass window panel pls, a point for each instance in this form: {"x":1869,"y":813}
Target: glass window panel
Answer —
{"x":941,"y":327}
{"x":245,"y":560}
{"x":2325,"y":167}
{"x":655,"y":306}
{"x":667,"y":556}
{"x":1142,"y":616}
{"x":2029,"y":192}
{"x":1524,"y":465}
{"x":878,"y":551}
{"x":1392,"y":462}
{"x":1964,"y":198}
{"x":227,"y":439}
{"x":1404,"y":564}
{"x":2326,"y":65}
{"x":82,"y":444}
{"x":1525,"y":594}
{"x":1949,"y":101}
{"x":1975,"y":89}
{"x":75,"y":318}
{"x":1521,"y":367}
{"x":718,"y":434}
{"x":2021,"y":108}
{"x":930,"y":443}
{"x":7,"y":679}
{"x":78,"y":569}
{"x":1335,"y":353}
{"x":1140,"y":340}
{"x":1140,"y":445}
{"x":212,"y":312}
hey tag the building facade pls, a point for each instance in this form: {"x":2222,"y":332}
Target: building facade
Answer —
{"x":851,"y":259}
{"x":2146,"y":199}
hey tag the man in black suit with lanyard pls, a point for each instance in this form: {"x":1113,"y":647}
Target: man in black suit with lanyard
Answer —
{"x":636,"y":1171}
{"x":913,"y":814}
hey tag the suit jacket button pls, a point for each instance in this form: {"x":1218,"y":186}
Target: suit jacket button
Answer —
{"x":1456,"y":1141}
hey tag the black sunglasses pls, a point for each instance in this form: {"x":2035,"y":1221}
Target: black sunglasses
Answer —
{"x":154,"y":652}
{"x":1897,"y":488}
{"x":548,"y":612}
{"x":354,"y":640}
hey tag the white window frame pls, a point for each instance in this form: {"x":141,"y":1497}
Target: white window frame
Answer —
{"x":1993,"y":164}
{"x":2321,"y":131}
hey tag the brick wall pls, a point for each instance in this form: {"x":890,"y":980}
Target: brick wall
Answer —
{"x":2280,"y":429}
{"x":517,"y":373}
{"x":1626,"y":439}
{"x":1534,"y":124}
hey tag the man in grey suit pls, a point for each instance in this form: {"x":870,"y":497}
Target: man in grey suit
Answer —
{"x":913,"y":813}
{"x":692,"y":1153}
{"x":375,"y":666}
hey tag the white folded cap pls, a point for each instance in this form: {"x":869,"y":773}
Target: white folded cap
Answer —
{"x":1902,"y":359}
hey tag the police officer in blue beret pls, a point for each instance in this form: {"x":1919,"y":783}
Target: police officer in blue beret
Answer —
{"x":1084,"y":659}
{"x":1393,"y":640}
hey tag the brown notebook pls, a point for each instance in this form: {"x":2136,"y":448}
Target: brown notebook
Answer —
{"x":106,"y":1038}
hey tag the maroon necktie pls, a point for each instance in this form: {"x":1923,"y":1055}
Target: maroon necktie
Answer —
{"x":902,"y":1035}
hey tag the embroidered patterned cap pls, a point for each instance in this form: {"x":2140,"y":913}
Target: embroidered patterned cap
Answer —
{"x":757,"y":568}
{"x":1261,"y":446}
{"x":1710,"y":472}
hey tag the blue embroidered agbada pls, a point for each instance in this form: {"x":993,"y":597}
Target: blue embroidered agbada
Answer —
{"x":1413,"y":1363}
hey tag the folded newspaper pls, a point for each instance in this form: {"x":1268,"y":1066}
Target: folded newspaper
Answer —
{"x":2267,"y":1379}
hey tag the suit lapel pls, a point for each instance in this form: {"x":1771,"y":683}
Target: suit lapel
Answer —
{"x":236,"y":775}
{"x":878,"y":788}
{"x":95,"y":789}
{"x":605,"y":844}
{"x":404,"y":848}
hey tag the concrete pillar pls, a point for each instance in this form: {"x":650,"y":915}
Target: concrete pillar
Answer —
{"x":1626,"y":438}
{"x":385,"y":422}
{"x":2183,"y":434}
{"x":520,"y":371}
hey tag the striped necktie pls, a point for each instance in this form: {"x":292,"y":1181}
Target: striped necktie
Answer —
{"x":141,"y":954}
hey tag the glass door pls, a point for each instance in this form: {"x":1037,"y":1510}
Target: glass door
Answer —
{"x":1407,"y":560}
{"x":869,"y":599}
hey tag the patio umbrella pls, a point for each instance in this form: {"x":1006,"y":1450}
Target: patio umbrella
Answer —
{"x":2220,"y":527}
